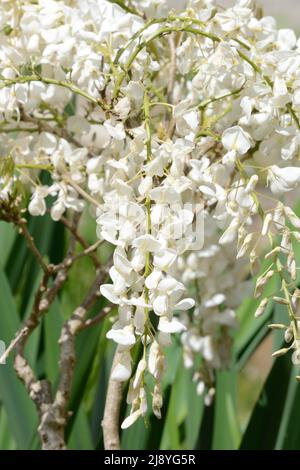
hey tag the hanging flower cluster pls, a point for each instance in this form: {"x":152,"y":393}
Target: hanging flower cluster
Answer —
{"x":181,"y":132}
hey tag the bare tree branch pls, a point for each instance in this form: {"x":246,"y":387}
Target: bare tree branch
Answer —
{"x":97,"y":319}
{"x":80,"y":239}
{"x":15,"y":218}
{"x":55,"y":418}
{"x":53,"y":410}
{"x":111,"y":418}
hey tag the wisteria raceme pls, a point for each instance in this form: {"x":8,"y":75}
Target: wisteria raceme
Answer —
{"x":180,"y":131}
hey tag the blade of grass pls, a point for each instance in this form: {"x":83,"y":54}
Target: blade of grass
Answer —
{"x":227,"y":433}
{"x":262,"y":430}
{"x":20,"y":411}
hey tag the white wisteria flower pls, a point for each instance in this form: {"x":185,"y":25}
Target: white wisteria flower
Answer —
{"x":98,"y":115}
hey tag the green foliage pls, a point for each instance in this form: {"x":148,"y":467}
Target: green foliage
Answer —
{"x":186,"y":423}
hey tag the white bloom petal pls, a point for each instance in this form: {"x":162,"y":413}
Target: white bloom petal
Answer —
{"x":107,"y":290}
{"x":139,"y":373}
{"x":115,"y":131}
{"x":123,"y":336}
{"x":160,"y":305}
{"x":170,"y":326}
{"x":146,"y":243}
{"x":164,"y":259}
{"x":121,"y":263}
{"x":214,"y":301}
{"x":235,"y":138}
{"x":122,"y":371}
{"x":153,"y":279}
{"x":192,"y":119}
{"x":283,"y":179}
{"x":185,"y":304}
{"x":131,"y":419}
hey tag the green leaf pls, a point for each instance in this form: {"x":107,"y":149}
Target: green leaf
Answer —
{"x":289,"y":431}
{"x":265,"y":421}
{"x":80,"y":438}
{"x":226,"y":428}
{"x":194,"y":416}
{"x":177,"y":410}
{"x":135,"y":438}
{"x":7,"y":237}
{"x":7,"y":441}
{"x":249,"y":325}
{"x":252,"y":331}
{"x":205,"y":436}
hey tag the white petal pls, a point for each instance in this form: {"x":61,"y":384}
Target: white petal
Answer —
{"x":138,"y":261}
{"x":37,"y":206}
{"x":122,"y":370}
{"x":160,"y":304}
{"x":107,"y":290}
{"x":192,"y":119}
{"x":185,"y":304}
{"x":147,"y":243}
{"x":153,"y":279}
{"x":121,"y":262}
{"x":116,"y":131}
{"x":139,"y":373}
{"x":145,"y":185}
{"x":170,"y":326}
{"x":139,"y":320}
{"x":131,"y":419}
{"x":230,"y":233}
{"x":235,"y":138}
{"x":283,"y":179}
{"x":123,"y":336}
{"x":164,"y":259}
{"x":217,"y":299}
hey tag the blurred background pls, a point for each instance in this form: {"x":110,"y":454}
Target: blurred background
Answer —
{"x":286,"y":12}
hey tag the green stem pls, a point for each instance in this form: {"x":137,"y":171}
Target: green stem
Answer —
{"x":189,"y":29}
{"x":148,"y":200}
{"x":19,"y":129}
{"x":34,"y":166}
{"x":219,"y":98}
{"x":153,"y":22}
{"x":160,"y":33}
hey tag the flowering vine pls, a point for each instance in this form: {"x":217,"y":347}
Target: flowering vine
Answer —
{"x":181,"y":133}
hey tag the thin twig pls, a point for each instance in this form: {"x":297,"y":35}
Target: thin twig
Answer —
{"x":97,"y":319}
{"x":70,"y":261}
{"x":13,"y":344}
{"x":81,"y":191}
{"x":80,"y":239}
{"x":32,"y":246}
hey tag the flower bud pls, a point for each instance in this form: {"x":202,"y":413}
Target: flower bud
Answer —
{"x":280,"y":352}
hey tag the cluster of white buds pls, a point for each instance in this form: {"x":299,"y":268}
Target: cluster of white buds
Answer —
{"x":181,"y":131}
